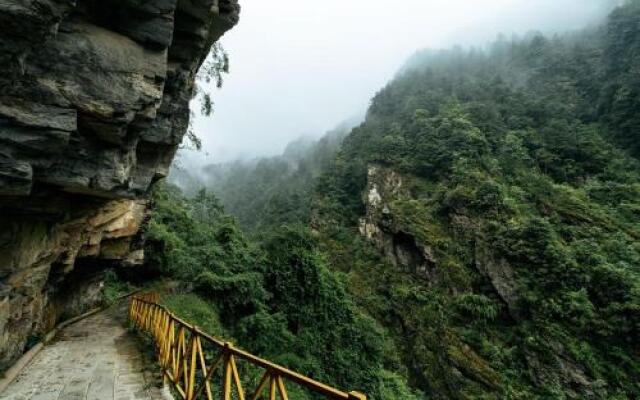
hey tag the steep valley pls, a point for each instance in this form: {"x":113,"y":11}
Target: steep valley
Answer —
{"x":475,"y":236}
{"x":485,"y":215}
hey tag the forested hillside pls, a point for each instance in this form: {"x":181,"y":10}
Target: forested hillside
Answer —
{"x":278,"y":298}
{"x":477,"y":236}
{"x":506,"y":184}
{"x":263,"y":193}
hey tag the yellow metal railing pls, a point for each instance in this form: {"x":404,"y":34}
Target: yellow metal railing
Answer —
{"x":183,"y":351}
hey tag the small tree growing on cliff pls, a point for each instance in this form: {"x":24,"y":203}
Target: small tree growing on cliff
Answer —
{"x":212,"y":70}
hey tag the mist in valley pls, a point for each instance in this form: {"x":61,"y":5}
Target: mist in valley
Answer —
{"x":457,"y":179}
{"x":301,"y":68}
{"x":398,"y":200}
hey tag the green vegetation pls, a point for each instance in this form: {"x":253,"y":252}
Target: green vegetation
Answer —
{"x":282,"y":289}
{"x":524,"y":189}
{"x":503,"y":258}
{"x":113,"y":288}
{"x":268,"y":192}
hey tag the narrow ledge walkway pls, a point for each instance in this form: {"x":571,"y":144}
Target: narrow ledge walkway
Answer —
{"x":93,"y":359}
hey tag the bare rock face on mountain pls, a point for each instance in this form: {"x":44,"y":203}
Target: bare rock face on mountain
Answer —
{"x":401,"y":248}
{"x":94,"y":99}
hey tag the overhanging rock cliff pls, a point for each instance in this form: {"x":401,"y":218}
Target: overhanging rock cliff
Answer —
{"x":94,"y":101}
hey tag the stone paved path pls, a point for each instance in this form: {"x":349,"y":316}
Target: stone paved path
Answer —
{"x":93,"y":359}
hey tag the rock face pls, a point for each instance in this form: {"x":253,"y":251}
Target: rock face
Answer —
{"x":401,"y":248}
{"x":94,"y":101}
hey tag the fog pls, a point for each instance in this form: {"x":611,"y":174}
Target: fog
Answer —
{"x":300,"y":67}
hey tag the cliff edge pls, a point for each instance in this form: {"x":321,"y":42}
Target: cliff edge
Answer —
{"x":94,"y":101}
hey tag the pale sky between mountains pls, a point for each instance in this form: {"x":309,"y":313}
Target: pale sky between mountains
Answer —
{"x":300,"y":67}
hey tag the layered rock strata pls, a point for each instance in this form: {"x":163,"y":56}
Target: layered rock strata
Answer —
{"x":94,"y":101}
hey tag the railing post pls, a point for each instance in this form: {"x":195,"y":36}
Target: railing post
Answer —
{"x":357,"y":396}
{"x":132,"y":311}
{"x":273,"y":381}
{"x":191,"y":387}
{"x":164,"y":353}
{"x":226,"y":375}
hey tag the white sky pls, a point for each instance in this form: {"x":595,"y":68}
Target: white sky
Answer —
{"x":300,"y":67}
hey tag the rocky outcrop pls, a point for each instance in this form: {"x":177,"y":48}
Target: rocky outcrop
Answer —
{"x":394,"y":224}
{"x":94,"y":101}
{"x":37,"y":260}
{"x":378,"y":225}
{"x":500,"y":273}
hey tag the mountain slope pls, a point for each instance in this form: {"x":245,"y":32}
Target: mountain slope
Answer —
{"x":267,"y":192}
{"x":502,"y":191}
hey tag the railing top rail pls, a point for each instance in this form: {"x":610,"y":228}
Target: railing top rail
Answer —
{"x":286,"y":373}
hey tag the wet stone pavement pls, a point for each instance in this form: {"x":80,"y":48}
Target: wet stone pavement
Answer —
{"x":93,"y":359}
